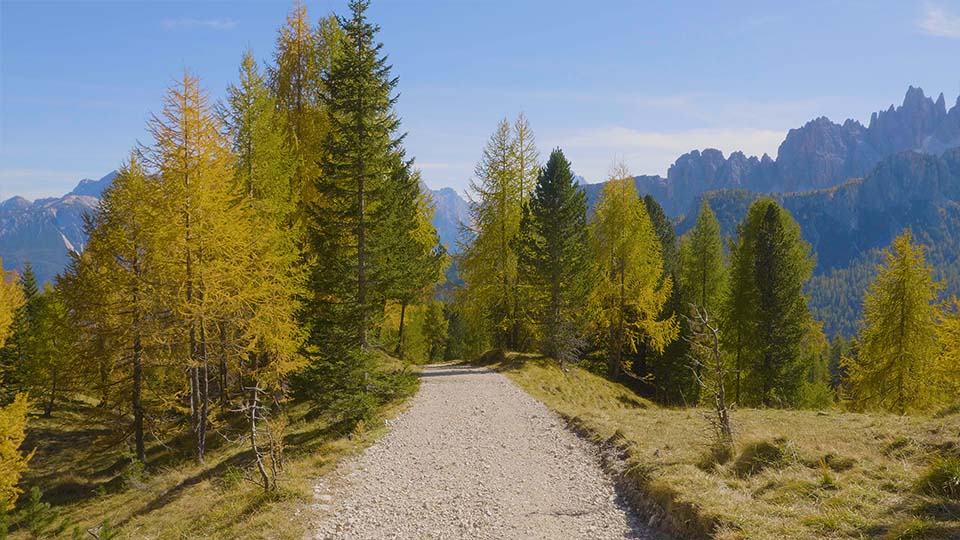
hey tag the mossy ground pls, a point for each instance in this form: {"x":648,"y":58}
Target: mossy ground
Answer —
{"x":801,"y":475}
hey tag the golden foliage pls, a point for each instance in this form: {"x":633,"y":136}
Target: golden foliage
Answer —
{"x":11,"y":298}
{"x":631,"y":289}
{"x":13,"y":425}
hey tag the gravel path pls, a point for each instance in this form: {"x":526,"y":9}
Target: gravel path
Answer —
{"x":474,"y":457}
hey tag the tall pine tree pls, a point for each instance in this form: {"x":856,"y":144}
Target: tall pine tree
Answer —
{"x":703,"y":274}
{"x":11,"y":299}
{"x":765,"y":308}
{"x":209,"y":239}
{"x":114,"y":295}
{"x":946,"y":372}
{"x":673,"y":380}
{"x":361,"y":163}
{"x":554,"y":258}
{"x":413,"y":258}
{"x":489,"y":264}
{"x":263,"y":332}
{"x":18,"y":349}
{"x":302,"y":55}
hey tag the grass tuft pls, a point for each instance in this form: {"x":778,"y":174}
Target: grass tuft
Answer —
{"x":716,"y":455}
{"x":942,"y":479}
{"x":760,"y":455}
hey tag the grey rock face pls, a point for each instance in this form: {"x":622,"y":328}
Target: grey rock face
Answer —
{"x":817,"y":155}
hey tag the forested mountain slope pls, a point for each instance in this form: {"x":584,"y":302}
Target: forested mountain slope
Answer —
{"x":848,"y":224}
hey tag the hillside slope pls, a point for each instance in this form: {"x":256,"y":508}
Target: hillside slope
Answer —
{"x":797,"y":475}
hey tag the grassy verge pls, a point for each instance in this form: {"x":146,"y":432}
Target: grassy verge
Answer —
{"x":88,"y":480}
{"x":795,"y":474}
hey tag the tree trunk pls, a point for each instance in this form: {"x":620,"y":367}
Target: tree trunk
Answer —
{"x":204,"y":393}
{"x":403,"y":312}
{"x":254,"y":412}
{"x":361,"y":229}
{"x":48,"y":407}
{"x":137,"y":388}
{"x":739,"y":367}
{"x":222,"y":382}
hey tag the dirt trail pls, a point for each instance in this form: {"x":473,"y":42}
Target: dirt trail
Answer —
{"x":474,"y":457}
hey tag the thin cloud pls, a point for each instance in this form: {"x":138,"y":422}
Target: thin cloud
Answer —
{"x":431,"y":166}
{"x":209,"y":24}
{"x":939,"y":22}
{"x":652,"y":152}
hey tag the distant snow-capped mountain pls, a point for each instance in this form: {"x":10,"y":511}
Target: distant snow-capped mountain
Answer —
{"x":45,"y":231}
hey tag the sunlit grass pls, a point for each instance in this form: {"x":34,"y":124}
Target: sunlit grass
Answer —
{"x":795,"y":474}
{"x":87,"y":478}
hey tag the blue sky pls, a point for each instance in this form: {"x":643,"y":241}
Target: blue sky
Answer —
{"x":641,"y":81}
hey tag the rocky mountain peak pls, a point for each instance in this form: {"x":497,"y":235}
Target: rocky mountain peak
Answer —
{"x":817,"y":155}
{"x":15,"y":203}
{"x":94,"y":188}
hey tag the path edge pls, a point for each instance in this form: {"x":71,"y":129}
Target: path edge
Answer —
{"x":662,"y":512}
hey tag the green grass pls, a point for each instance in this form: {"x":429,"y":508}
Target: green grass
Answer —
{"x":88,"y":478}
{"x":802,"y":475}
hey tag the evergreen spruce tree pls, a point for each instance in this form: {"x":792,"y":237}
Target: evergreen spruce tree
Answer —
{"x":554,"y":258}
{"x":361,"y":162}
{"x":739,"y":307}
{"x":702,"y":280}
{"x":19,"y":348}
{"x":631,"y":290}
{"x":667,"y":235}
{"x":411,"y":254}
{"x":670,"y":370}
{"x":703,"y":274}
{"x":47,"y":372}
{"x":435,"y":328}
{"x":895,"y":369}
{"x":766,"y":309}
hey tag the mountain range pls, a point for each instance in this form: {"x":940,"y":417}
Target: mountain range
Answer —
{"x":851,"y":187}
{"x":820,"y":154}
{"x":44,"y":231}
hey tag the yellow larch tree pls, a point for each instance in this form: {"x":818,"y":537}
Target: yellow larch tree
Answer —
{"x":631,"y":288}
{"x":209,"y":238}
{"x":895,"y":369}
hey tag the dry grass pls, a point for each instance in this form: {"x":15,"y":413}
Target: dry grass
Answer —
{"x":84,"y":477}
{"x":796,"y":474}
